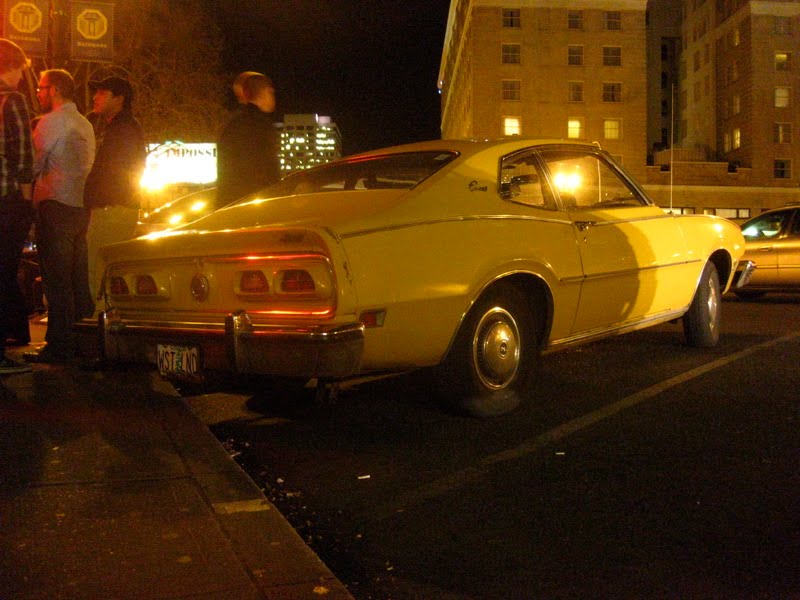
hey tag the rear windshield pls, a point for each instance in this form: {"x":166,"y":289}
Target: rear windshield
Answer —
{"x":388,"y":172}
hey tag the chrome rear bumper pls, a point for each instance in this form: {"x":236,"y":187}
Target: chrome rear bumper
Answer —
{"x":239,"y":346}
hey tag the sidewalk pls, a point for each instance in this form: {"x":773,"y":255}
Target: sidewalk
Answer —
{"x":111,"y":488}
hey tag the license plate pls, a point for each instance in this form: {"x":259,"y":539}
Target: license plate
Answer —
{"x":179,"y":361}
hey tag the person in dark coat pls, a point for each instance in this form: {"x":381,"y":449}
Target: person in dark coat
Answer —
{"x":247,"y":149}
{"x":113,"y":191}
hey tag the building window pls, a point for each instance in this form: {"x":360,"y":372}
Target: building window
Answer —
{"x":736,"y":104}
{"x":612,"y":56}
{"x":782,"y":133}
{"x":612,"y":92}
{"x":781,"y":97}
{"x":664,"y":108}
{"x":737,"y":138}
{"x":783,"y":61}
{"x":737,"y":36}
{"x":575,"y":19}
{"x":511,"y":89}
{"x":726,"y":142}
{"x":512,"y":126}
{"x":575,"y":55}
{"x":664,"y":80}
{"x":511,"y":54}
{"x":575,"y":128}
{"x":612,"y":129}
{"x":576,"y":91}
{"x":782,"y":25}
{"x":612,"y":20}
{"x":696,"y":60}
{"x":511,"y":18}
{"x":782,"y":168}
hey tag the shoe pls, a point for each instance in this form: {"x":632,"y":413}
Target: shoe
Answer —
{"x":11,"y":367}
{"x":47,"y":355}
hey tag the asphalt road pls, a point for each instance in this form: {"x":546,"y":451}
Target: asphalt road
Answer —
{"x":638,"y":468}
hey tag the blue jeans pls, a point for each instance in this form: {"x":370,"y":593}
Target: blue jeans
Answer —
{"x":16,"y":216}
{"x":63,"y":256}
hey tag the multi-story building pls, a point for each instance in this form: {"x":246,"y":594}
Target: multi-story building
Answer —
{"x":551,"y":69}
{"x":308,"y":140}
{"x":700,"y":90}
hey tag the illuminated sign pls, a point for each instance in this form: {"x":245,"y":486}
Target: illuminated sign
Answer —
{"x":175,"y":162}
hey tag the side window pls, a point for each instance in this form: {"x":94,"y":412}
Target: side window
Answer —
{"x":586,"y":180}
{"x":766,"y":226}
{"x":795,"y":231}
{"x":521,"y":180}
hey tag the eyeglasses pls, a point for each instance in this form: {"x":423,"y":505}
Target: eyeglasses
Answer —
{"x":43,"y":87}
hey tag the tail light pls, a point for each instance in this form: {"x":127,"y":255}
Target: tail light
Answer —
{"x":253,"y":282}
{"x":297,"y":281}
{"x":118,"y":287}
{"x":146,"y":286}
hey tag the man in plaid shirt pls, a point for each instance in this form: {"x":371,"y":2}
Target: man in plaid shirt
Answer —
{"x":16,"y":209}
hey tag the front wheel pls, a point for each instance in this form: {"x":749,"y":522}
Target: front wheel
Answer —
{"x":493,"y":355}
{"x":701,"y":322}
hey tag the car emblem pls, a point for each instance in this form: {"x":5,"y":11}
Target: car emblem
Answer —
{"x":199,"y":287}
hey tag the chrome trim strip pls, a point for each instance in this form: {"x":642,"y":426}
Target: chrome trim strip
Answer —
{"x":455,"y":220}
{"x":602,"y":332}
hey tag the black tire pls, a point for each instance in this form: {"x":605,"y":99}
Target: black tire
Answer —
{"x":701,"y":322}
{"x":493,"y":356}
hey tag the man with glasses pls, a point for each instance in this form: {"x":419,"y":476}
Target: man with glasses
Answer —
{"x":64,"y":144}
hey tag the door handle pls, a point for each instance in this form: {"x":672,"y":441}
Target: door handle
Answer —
{"x":584,"y":225}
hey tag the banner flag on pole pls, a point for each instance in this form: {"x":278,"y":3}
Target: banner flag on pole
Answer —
{"x":27,"y":24}
{"x":92,"y":31}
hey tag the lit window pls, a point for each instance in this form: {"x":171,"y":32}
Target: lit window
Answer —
{"x":726,"y":142}
{"x":781,"y":97}
{"x":511,"y":17}
{"x":782,"y":169}
{"x":575,"y":128}
{"x":736,"y":106}
{"x":512,"y":126}
{"x":782,"y":133}
{"x":575,"y":19}
{"x":511,"y":54}
{"x":612,"y":129}
{"x":612,"y":56}
{"x":511,"y":89}
{"x":612,"y":20}
{"x":737,"y":138}
{"x":576,"y":91}
{"x":783,"y":61}
{"x":612,"y":92}
{"x":737,"y":37}
{"x":575,"y":55}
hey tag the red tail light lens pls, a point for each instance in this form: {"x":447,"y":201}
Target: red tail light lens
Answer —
{"x":146,"y":286}
{"x":253,"y":282}
{"x":297,"y":280}
{"x":118,"y":287}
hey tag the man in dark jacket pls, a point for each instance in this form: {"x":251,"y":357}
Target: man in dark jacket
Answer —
{"x":247,"y":149}
{"x":113,"y":187}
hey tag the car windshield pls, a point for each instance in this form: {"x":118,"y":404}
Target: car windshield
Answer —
{"x":388,"y":172}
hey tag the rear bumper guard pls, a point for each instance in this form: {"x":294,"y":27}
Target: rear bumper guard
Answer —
{"x":328,"y":351}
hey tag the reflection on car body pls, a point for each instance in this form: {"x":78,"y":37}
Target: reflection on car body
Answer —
{"x":472,"y":258}
{"x":772,"y":241}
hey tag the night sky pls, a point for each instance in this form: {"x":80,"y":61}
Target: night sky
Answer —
{"x":371,"y":65}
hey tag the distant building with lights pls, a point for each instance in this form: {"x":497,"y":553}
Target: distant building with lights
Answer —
{"x":307,"y":141}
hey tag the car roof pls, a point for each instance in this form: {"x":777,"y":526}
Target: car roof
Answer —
{"x":475,"y":146}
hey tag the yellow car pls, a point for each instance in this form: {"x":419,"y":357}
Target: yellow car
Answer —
{"x":473,"y":257}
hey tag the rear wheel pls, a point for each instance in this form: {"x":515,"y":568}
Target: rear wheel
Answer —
{"x":701,"y":322}
{"x":493,"y":355}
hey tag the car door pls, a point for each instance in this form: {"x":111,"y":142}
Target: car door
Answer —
{"x":789,"y":254}
{"x":633,"y":253}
